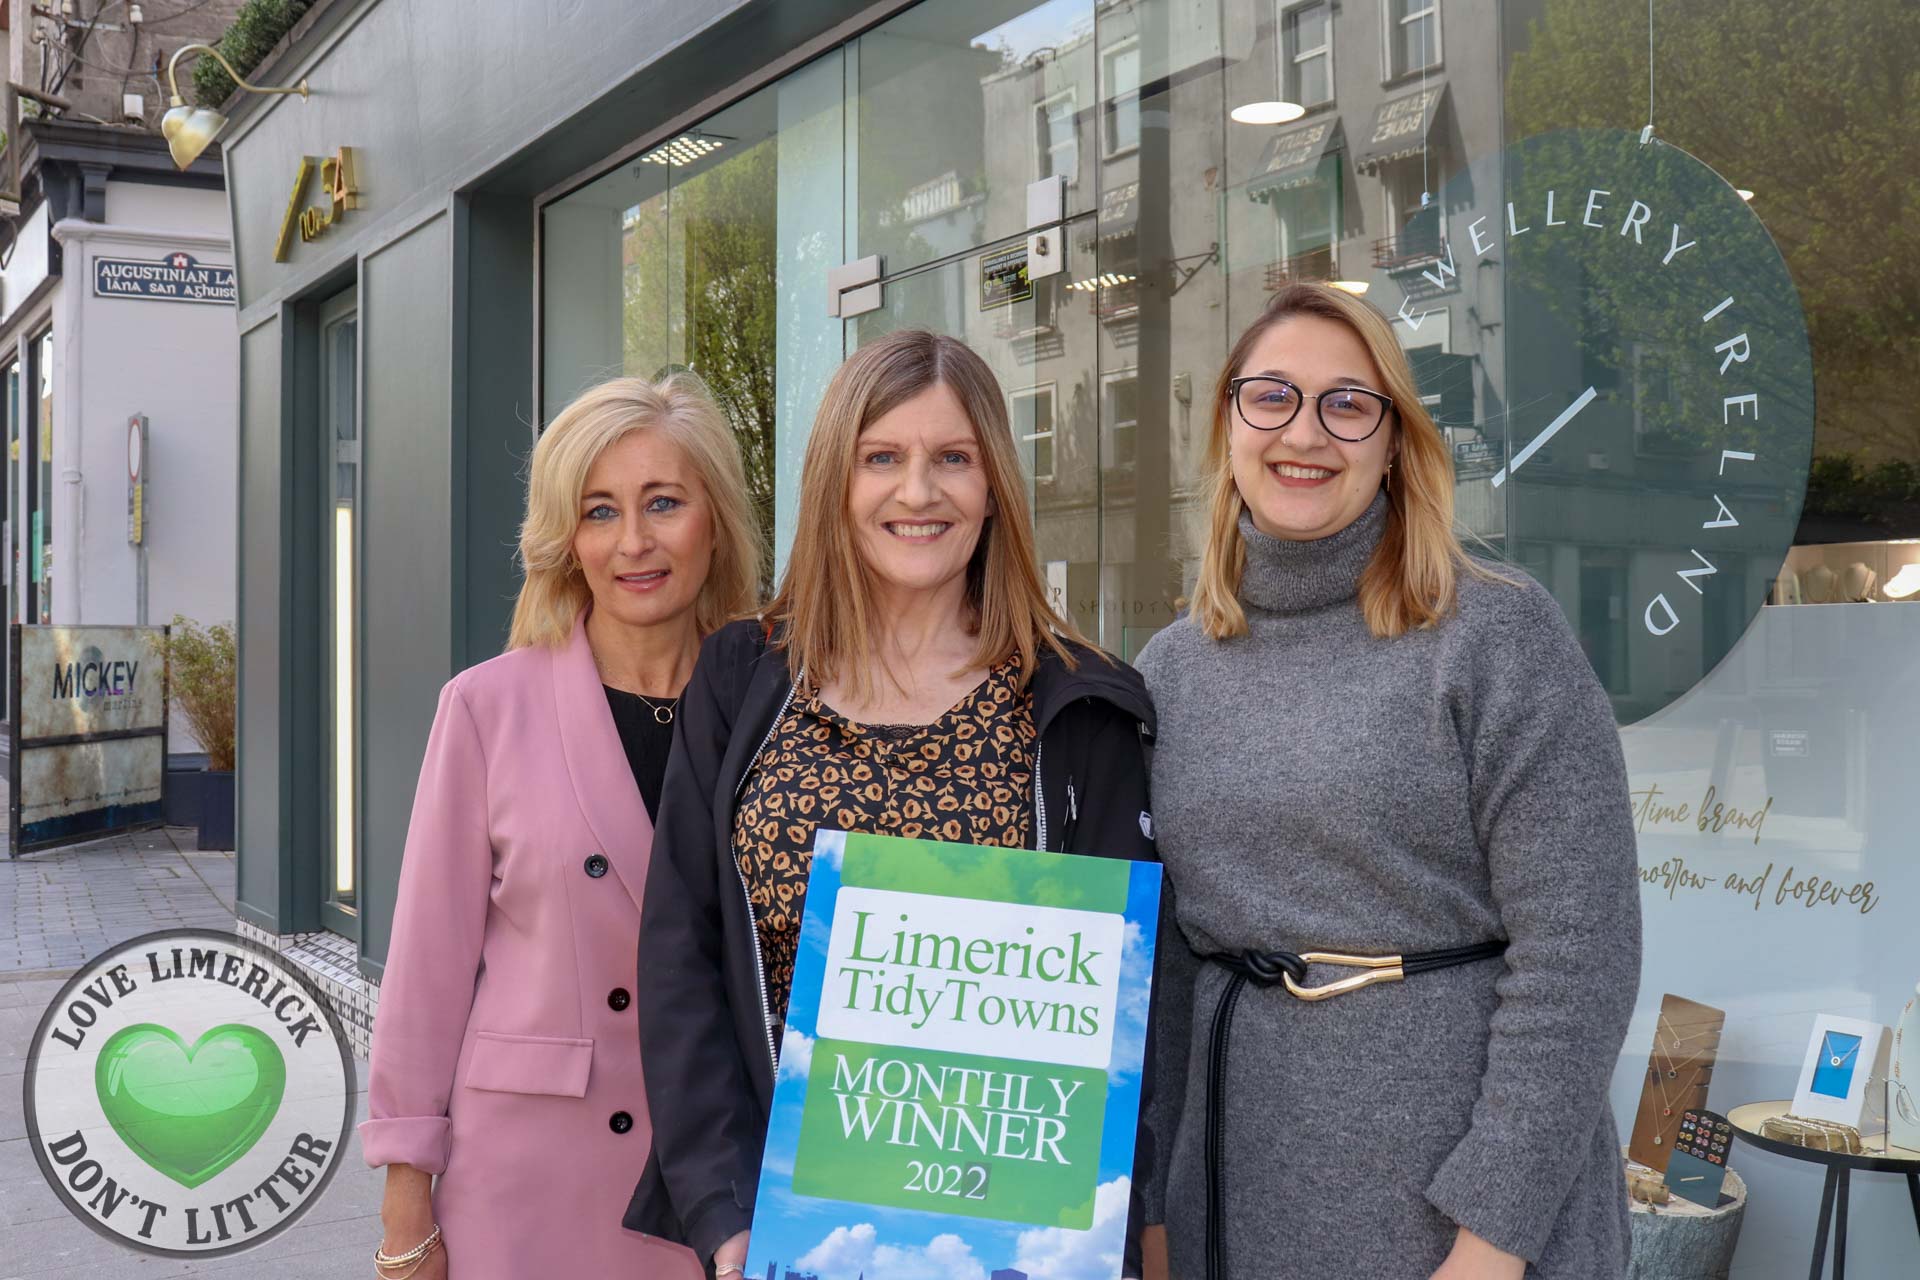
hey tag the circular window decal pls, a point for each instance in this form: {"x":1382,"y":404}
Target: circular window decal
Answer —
{"x":1618,"y":356}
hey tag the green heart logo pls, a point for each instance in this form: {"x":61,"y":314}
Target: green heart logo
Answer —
{"x":190,"y":1112}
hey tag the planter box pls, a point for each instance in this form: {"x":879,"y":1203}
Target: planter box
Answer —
{"x":216,"y":818}
{"x":199,"y":797}
{"x":185,"y":780}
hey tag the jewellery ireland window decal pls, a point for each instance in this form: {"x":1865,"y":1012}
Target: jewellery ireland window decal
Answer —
{"x":1649,"y":403}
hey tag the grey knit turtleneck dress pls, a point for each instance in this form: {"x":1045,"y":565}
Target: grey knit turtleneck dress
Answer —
{"x":1318,"y":789}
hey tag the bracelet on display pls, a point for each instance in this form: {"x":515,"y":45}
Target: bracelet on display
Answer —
{"x":1647,"y":1186}
{"x":1818,"y":1135}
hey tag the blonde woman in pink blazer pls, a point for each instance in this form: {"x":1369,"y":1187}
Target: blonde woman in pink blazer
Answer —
{"x":506,"y":1093}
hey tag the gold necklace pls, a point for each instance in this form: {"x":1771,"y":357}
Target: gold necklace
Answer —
{"x":662,"y":711}
{"x":1672,"y":1072}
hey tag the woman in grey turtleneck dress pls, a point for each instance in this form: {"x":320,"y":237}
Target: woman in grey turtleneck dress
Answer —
{"x":1371,"y":745}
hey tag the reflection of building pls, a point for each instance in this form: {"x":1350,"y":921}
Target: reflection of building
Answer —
{"x":1007,"y":1273}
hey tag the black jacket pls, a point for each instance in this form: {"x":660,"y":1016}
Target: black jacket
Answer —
{"x":709,"y":1058}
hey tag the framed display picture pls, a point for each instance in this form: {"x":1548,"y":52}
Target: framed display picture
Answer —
{"x":1843,"y":1055}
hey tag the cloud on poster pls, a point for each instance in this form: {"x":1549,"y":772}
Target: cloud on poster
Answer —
{"x":849,"y":1252}
{"x":796,"y":1055}
{"x":1054,"y":1253}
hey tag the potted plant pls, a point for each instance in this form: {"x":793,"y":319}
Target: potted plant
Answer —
{"x":202,"y":673}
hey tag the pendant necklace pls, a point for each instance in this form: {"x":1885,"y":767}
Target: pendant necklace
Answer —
{"x":662,"y":709}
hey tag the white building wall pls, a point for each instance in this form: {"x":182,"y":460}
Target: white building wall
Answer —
{"x":175,"y":362}
{"x":27,"y":266}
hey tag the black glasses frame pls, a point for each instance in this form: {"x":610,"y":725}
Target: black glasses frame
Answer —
{"x":1233,"y":394}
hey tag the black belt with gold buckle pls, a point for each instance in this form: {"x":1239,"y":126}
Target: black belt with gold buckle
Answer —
{"x":1285,"y":968}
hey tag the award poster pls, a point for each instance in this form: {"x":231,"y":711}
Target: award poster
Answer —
{"x":960,"y":1077}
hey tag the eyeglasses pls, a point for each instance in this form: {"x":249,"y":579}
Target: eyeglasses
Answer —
{"x":1268,"y":404}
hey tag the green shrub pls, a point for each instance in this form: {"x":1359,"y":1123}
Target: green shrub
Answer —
{"x":256,"y":29}
{"x":203,"y":670}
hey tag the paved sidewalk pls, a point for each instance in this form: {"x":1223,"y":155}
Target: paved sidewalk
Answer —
{"x":57,"y":909}
{"x":61,"y":906}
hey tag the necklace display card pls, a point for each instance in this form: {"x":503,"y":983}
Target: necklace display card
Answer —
{"x":1686,"y":1039}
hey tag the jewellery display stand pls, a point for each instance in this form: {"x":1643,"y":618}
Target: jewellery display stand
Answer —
{"x":1903,"y":1091}
{"x":1875,"y":1157}
{"x":1685,"y":1042}
{"x":1844,"y":1057}
{"x":1681,"y":1240}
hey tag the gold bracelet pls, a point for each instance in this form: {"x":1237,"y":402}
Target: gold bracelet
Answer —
{"x":415,"y":1254}
{"x":728,"y":1269}
{"x":399,"y":1275}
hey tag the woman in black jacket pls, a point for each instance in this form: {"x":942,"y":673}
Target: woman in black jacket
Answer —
{"x":911,"y":678}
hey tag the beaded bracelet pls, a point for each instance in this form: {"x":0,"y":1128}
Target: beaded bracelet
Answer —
{"x":412,"y":1259}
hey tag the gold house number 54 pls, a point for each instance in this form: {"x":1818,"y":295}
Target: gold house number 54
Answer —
{"x":338,"y":178}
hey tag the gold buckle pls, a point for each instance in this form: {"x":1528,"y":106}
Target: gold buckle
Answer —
{"x":1379,"y":969}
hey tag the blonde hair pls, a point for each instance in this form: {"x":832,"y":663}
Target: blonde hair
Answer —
{"x":554,"y":590}
{"x":825,"y":612}
{"x":1412,"y":580}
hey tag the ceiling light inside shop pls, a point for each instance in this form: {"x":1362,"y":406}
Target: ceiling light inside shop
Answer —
{"x":683,"y":150}
{"x":1355,"y":287}
{"x":1106,"y":280}
{"x":1268,"y":112}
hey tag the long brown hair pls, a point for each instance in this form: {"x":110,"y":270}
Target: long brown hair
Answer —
{"x":1412,"y":580}
{"x":554,"y":589}
{"x":825,"y":614}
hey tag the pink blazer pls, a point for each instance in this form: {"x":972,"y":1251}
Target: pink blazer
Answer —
{"x":506,"y":1057}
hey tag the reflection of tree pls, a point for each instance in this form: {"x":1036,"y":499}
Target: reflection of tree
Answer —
{"x":1643,"y":341}
{"x":1850,"y":501}
{"x":1813,"y":112}
{"x":712,"y":238}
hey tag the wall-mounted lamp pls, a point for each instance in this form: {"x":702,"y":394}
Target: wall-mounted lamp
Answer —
{"x":187,"y":129}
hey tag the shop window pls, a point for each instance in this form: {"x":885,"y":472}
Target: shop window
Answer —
{"x":8,"y":509}
{"x":1306,"y":63}
{"x":1413,"y":36}
{"x":1121,"y":122}
{"x":11,"y":383}
{"x":340,"y":420}
{"x":40,"y":486}
{"x":1057,"y":137}
{"x":1121,"y":411}
{"x":1032,"y":412}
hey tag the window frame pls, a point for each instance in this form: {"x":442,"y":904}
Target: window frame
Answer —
{"x":1112,"y":103}
{"x":1291,"y":55}
{"x":1111,"y":424}
{"x":1395,"y":216}
{"x":1390,"y":26}
{"x":1051,"y":390}
{"x":1333,"y":199}
{"x":1046,"y":151}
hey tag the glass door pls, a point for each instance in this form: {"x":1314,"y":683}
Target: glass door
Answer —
{"x":340,"y":419}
